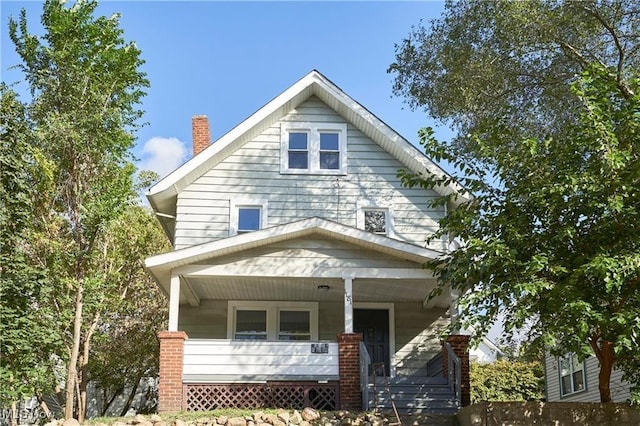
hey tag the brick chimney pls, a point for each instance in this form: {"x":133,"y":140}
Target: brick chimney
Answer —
{"x":200,"y":133}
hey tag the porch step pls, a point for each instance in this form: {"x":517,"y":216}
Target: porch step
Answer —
{"x":413,"y":397}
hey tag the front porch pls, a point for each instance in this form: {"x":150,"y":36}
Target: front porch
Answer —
{"x":282,"y":315}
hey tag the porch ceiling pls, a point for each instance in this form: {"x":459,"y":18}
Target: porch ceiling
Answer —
{"x":306,"y":289}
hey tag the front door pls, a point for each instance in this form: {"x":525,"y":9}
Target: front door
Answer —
{"x":374,"y":326}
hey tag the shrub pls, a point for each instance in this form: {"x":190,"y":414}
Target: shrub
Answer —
{"x":506,"y":380}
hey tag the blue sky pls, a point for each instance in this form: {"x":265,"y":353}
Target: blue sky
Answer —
{"x":227,"y":59}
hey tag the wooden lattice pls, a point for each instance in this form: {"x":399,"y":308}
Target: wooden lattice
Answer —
{"x":322,"y":396}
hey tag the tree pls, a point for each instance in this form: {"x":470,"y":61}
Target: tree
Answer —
{"x":26,"y":340}
{"x":544,"y":97}
{"x":137,"y":315}
{"x":501,"y":69}
{"x":85,"y":83}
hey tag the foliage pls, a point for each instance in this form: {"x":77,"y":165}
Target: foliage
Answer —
{"x":544,"y":95}
{"x":85,"y":86}
{"x":506,"y":380}
{"x":26,"y":340}
{"x":500,"y":69}
{"x":125,"y":348}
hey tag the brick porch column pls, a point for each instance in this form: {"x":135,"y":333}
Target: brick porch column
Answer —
{"x":349,"y":370}
{"x":460,"y":346}
{"x":171,"y":357}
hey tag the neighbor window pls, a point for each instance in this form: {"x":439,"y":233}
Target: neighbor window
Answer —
{"x":315,"y":148}
{"x":286,"y":321}
{"x":572,"y":377}
{"x":247,"y":216}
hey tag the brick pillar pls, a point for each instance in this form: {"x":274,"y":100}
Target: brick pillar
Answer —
{"x":200,"y":133}
{"x":460,"y":346}
{"x":170,"y":384}
{"x":349,"y":370}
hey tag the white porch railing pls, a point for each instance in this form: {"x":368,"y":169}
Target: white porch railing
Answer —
{"x":233,"y":361}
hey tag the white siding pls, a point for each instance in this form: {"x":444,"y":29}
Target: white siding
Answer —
{"x":619,"y":389}
{"x":224,"y":360}
{"x":254,"y":172}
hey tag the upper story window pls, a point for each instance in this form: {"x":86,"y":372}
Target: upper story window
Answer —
{"x":572,"y":377}
{"x":247,"y":216}
{"x":313,"y":148}
{"x":374,"y":217}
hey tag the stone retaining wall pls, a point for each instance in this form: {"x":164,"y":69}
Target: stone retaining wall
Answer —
{"x":549,"y":413}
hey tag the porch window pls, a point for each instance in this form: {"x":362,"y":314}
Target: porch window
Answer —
{"x":294,"y":325}
{"x":251,"y":325}
{"x":313,"y":148}
{"x":271,"y":320}
{"x":572,"y":377}
{"x":247,"y":215}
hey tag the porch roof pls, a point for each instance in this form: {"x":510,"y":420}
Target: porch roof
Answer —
{"x":195,"y":258}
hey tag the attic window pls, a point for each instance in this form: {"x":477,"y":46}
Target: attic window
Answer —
{"x":313,"y":148}
{"x":374,"y":217}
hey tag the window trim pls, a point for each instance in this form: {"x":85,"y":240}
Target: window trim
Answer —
{"x":369,"y":205}
{"x":273,"y":316}
{"x":313,"y":131}
{"x":572,"y":371}
{"x":236,"y":204}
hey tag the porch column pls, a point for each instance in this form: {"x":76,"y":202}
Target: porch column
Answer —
{"x":348,"y":304}
{"x":170,"y":381}
{"x":460,"y":346}
{"x":174,"y":302}
{"x":349,"y":370}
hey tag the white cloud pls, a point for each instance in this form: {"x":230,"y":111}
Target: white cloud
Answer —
{"x":163,"y":155}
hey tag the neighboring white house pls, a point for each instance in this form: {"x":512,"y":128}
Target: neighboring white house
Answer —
{"x":485,"y":352}
{"x":292,"y":237}
{"x":568,"y":379}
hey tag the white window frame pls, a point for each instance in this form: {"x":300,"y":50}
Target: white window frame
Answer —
{"x":368,"y":205}
{"x":273,"y":315}
{"x":236,"y":204}
{"x":313,"y":131}
{"x":572,"y":370}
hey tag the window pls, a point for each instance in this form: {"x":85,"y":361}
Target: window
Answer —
{"x":572,"y":377}
{"x":251,"y":325}
{"x":247,"y":216}
{"x":374,"y":217}
{"x":286,"y":321}
{"x":314,"y":148}
{"x":294,"y":325}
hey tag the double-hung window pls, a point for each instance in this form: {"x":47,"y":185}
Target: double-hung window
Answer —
{"x":572,"y":377}
{"x":313,"y":148}
{"x":247,"y":216}
{"x":285,"y":321}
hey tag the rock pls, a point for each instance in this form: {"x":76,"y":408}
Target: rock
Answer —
{"x":119,"y":424}
{"x":377,"y":421}
{"x":159,"y":423}
{"x":296,"y":418}
{"x":236,"y":421}
{"x":269,"y":418}
{"x":309,"y":414}
{"x":71,"y":422}
{"x":284,"y":416}
{"x":258,"y":416}
{"x":179,"y":422}
{"x":222,"y":420}
{"x":278,"y":422}
{"x":155,"y":418}
{"x":145,"y":423}
{"x":305,"y":423}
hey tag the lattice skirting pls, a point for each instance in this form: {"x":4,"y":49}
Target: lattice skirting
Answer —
{"x":298,"y":395}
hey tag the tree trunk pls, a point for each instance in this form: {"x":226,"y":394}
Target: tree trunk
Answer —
{"x":84,"y":368}
{"x":606,"y":366}
{"x":14,"y":414}
{"x":110,"y":401}
{"x":132,"y":395}
{"x":73,"y":360}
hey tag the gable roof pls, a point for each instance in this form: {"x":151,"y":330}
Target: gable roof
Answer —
{"x":160,"y":266}
{"x":162,"y":196}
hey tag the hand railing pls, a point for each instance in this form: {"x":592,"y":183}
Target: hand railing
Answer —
{"x":365,"y":361}
{"x":454,"y":373}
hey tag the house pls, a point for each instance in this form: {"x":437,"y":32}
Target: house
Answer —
{"x":297,"y":265}
{"x":569,"y":380}
{"x":486,"y":351}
